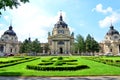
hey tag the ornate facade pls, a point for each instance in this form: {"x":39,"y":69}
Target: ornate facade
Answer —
{"x":60,"y":41}
{"x":111,"y":42}
{"x":9,"y":42}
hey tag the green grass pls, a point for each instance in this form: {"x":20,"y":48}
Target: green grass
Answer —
{"x":95,"y":69}
{"x":8,"y":58}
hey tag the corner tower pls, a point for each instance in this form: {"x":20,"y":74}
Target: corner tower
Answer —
{"x":9,"y":41}
{"x":111,"y":42}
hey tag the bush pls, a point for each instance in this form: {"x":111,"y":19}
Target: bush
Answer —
{"x":56,"y":68}
{"x":60,"y":58}
{"x":18,"y":62}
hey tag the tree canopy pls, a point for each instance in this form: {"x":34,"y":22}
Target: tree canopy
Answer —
{"x":29,"y":46}
{"x":10,"y":3}
{"x":88,"y":45}
{"x":80,"y":43}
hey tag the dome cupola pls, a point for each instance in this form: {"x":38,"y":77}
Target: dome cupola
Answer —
{"x":112,"y":31}
{"x":61,"y":23}
{"x":10,"y":32}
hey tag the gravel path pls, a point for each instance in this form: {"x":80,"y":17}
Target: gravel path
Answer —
{"x":63,"y":78}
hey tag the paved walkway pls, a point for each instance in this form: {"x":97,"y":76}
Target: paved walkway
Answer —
{"x":63,"y":78}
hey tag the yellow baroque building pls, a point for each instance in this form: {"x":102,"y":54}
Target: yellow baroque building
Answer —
{"x":60,"y":40}
{"x":111,"y":42}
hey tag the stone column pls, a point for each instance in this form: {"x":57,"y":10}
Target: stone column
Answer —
{"x":43,"y":50}
{"x":68,"y":46}
{"x":65,"y":47}
{"x":56,"y":47}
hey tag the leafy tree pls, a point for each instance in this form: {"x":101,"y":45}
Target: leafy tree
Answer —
{"x":95,"y":46}
{"x":29,"y":46}
{"x":88,"y":43}
{"x":25,"y":46}
{"x":80,"y":44}
{"x":91,"y":45}
{"x":10,"y":3}
{"x":36,"y":46}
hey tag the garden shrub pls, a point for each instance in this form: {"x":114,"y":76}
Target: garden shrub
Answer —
{"x":57,"y":63}
{"x":117,"y":61}
{"x":18,"y":62}
{"x":56,"y":68}
{"x":60,"y":58}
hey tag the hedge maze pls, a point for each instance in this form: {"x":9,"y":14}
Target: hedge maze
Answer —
{"x":57,"y":64}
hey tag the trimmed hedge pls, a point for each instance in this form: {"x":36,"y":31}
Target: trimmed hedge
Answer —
{"x":11,"y":61}
{"x":105,"y":61}
{"x":57,"y":63}
{"x":57,"y":68}
{"x":18,"y":62}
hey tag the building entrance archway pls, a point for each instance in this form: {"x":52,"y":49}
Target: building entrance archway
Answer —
{"x":61,"y":50}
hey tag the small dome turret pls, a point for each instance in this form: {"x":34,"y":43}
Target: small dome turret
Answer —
{"x":61,"y":23}
{"x":112,"y":31}
{"x":10,"y":32}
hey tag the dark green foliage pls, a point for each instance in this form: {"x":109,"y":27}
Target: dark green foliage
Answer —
{"x":29,"y":46}
{"x":25,"y":47}
{"x":91,"y":45}
{"x":57,"y":68}
{"x":79,"y":44}
{"x":60,"y":58}
{"x":10,"y":3}
{"x":35,"y":46}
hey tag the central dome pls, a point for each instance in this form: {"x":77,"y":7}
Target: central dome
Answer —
{"x":112,"y":31}
{"x":61,"y":23}
{"x":10,"y":32}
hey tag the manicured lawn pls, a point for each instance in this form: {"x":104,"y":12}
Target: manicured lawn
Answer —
{"x":95,"y":69}
{"x":8,"y":58}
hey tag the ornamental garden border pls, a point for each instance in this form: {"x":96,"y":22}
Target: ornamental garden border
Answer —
{"x":58,"y":64}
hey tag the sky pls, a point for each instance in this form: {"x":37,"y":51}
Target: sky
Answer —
{"x":36,"y":18}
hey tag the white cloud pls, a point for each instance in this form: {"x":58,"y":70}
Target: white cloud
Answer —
{"x":113,"y":17}
{"x":99,"y":8}
{"x":29,"y":19}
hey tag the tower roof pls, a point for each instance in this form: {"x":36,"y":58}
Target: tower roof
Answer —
{"x":61,"y":23}
{"x":112,"y":31}
{"x":10,"y":32}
